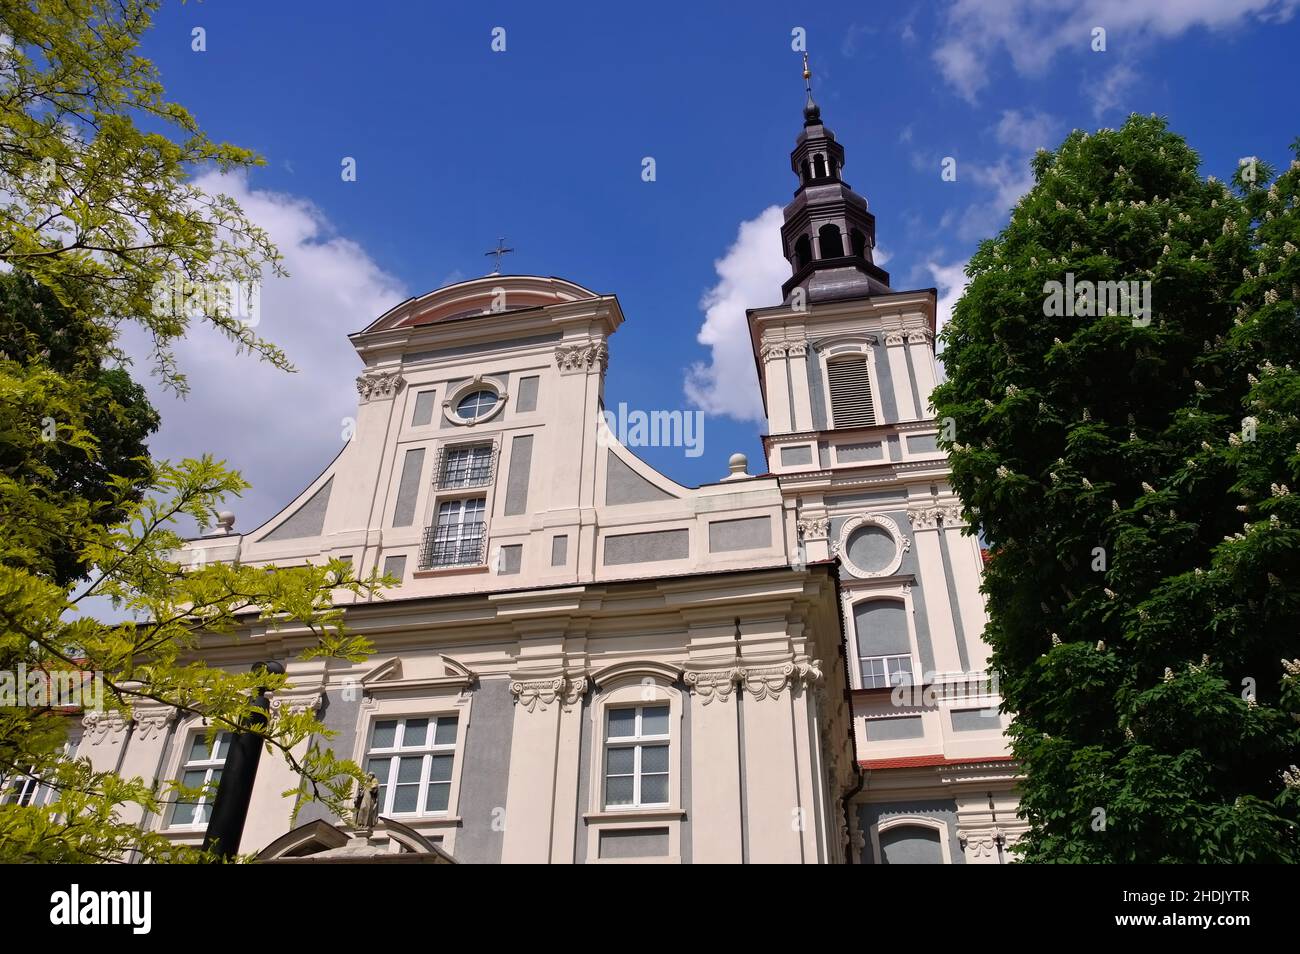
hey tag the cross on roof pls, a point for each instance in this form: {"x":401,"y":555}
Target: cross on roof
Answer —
{"x":498,"y":252}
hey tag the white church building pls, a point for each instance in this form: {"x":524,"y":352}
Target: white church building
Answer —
{"x":586,"y":662}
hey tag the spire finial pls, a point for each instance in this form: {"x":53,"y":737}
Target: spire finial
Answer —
{"x":812,"y":113}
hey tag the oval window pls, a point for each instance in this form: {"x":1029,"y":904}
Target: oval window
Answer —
{"x":475,"y":405}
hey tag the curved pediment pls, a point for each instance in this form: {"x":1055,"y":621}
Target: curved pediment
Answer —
{"x":492,"y":294}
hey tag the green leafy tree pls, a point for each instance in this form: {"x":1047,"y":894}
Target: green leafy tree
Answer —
{"x":35,"y":327}
{"x":97,"y":197}
{"x":1131,"y":475}
{"x":105,"y":218}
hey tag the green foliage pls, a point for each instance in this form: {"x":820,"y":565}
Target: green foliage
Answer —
{"x":1132,"y":482}
{"x":37,"y":329}
{"x":94,"y":213}
{"x":96,"y":197}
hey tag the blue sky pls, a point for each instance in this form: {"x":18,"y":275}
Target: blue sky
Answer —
{"x":543,"y":143}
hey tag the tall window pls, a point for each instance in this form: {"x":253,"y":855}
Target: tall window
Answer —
{"x":466,"y":466}
{"x":20,"y":789}
{"x":457,"y":537}
{"x":636,"y":757}
{"x":850,"y":389}
{"x":202,"y":770}
{"x":884,"y":645}
{"x":413,"y":759}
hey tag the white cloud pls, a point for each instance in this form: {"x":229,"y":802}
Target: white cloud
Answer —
{"x":950,"y":281}
{"x":1026,"y":131}
{"x":1033,"y":32}
{"x":278,"y":429}
{"x":1109,"y":92}
{"x":750,"y":275}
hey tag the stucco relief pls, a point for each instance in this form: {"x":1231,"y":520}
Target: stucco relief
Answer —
{"x":379,"y":385}
{"x":152,"y":721}
{"x":571,"y":359}
{"x":100,"y":724}
{"x":537,"y":695}
{"x":902,"y":545}
{"x":814,"y":528}
{"x":710,"y":684}
{"x":931,"y":518}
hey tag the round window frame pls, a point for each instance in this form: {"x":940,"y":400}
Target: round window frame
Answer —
{"x":454,"y":398}
{"x":902,"y":545}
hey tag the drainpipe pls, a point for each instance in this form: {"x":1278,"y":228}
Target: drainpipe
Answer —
{"x":848,"y":809}
{"x":848,"y":700}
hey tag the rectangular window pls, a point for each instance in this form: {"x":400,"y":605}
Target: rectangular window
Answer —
{"x":879,"y":672}
{"x":466,"y":466}
{"x":413,"y":759}
{"x":636,"y":757}
{"x":202,"y":770}
{"x":850,"y":389}
{"x":457,"y":536}
{"x":20,"y":789}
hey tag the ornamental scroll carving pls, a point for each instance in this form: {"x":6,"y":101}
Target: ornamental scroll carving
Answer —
{"x":537,"y":695}
{"x":99,"y":724}
{"x":152,"y":721}
{"x":379,"y":385}
{"x":572,"y":359}
{"x":762,"y":682}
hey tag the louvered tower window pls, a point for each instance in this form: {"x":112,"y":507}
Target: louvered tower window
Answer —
{"x":850,"y":392}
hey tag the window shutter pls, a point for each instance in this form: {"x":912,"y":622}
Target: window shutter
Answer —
{"x":850,"y":392}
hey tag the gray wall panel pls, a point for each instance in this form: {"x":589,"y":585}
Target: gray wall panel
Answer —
{"x":521,"y":463}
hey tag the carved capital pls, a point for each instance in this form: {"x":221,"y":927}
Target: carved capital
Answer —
{"x":152,"y":721}
{"x":710,"y":684}
{"x":797,"y":349}
{"x":814,"y":528}
{"x":952,"y":516}
{"x":100,"y":724}
{"x":773,"y":351}
{"x":893,"y":338}
{"x":924,"y":518}
{"x":932,"y":518}
{"x":765,"y":681}
{"x":379,"y":385}
{"x":295,"y":704}
{"x":981,"y":843}
{"x":920,"y":336}
{"x":574,"y":690}
{"x":536,"y":695}
{"x":575,"y":359}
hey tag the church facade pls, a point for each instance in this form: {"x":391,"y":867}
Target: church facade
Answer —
{"x":586,"y":662}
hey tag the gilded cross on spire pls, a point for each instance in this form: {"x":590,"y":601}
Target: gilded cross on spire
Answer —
{"x":499,"y":251}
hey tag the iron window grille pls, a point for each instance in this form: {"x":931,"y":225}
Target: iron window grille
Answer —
{"x":458,"y":536}
{"x":465,"y":465}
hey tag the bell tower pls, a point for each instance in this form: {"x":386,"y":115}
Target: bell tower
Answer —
{"x":828,"y":235}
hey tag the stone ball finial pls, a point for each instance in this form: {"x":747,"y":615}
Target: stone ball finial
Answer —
{"x":226,"y":520}
{"x":739,"y":465}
